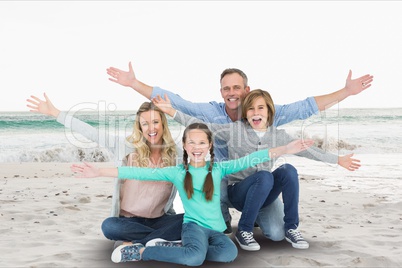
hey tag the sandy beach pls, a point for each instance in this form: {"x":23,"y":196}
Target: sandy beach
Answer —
{"x":351,"y":219}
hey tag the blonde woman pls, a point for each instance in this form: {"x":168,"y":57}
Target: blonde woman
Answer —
{"x":141,"y":210}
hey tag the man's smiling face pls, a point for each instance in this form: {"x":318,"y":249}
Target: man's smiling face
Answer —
{"x":233,"y":90}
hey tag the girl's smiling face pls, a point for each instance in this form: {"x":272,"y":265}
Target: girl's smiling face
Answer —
{"x":257,"y":114}
{"x":197,"y":147}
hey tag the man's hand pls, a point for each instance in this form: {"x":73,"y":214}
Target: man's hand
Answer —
{"x":121,"y":77}
{"x":357,"y":85}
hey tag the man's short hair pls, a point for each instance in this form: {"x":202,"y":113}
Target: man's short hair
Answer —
{"x":237,"y":71}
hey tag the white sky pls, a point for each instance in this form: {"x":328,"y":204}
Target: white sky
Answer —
{"x":293,"y":49}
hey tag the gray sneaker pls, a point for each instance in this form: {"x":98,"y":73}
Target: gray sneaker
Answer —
{"x":163,"y":243}
{"x":125,"y":253}
{"x":246,"y":241}
{"x":296,"y":239}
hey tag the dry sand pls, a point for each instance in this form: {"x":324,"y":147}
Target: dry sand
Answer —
{"x":51,"y":219}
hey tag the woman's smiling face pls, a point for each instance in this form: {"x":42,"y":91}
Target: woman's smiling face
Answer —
{"x":151,"y":126}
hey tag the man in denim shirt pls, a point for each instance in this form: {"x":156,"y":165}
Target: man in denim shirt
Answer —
{"x":234,"y":87}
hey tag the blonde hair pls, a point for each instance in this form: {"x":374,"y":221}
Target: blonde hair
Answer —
{"x":251,"y":97}
{"x":142,"y":155}
{"x":208,"y":187}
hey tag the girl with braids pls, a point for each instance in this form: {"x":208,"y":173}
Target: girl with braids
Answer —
{"x":198,"y":184}
{"x":141,"y":210}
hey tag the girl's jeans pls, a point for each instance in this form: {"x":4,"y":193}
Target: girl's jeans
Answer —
{"x":199,"y":244}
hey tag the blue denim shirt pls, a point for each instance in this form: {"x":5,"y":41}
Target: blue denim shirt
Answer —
{"x":215,"y":112}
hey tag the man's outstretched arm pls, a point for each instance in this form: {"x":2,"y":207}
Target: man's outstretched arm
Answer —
{"x":352,"y":87}
{"x":128,"y":79}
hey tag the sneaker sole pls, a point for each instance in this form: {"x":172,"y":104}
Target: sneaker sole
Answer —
{"x":116,"y":254}
{"x":151,"y":243}
{"x":247,"y":247}
{"x":298,"y":246}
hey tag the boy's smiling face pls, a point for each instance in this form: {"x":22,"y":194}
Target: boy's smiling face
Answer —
{"x":257,"y":114}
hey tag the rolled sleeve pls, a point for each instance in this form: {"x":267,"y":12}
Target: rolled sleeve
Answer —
{"x":299,"y":110}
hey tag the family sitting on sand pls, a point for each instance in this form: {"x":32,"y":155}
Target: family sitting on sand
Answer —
{"x":238,"y":173}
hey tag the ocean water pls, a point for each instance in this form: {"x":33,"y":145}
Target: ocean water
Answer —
{"x":31,"y":137}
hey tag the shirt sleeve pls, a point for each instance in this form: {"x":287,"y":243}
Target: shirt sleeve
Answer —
{"x":113,"y":144}
{"x":206,"y":111}
{"x":253,"y":159}
{"x":220,"y":131}
{"x":313,"y":153}
{"x":299,"y":110}
{"x":150,"y":174}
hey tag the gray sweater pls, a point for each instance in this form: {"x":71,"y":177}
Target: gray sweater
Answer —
{"x":242,"y":140}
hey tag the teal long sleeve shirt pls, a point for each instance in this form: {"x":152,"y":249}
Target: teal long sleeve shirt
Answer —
{"x":197,"y":209}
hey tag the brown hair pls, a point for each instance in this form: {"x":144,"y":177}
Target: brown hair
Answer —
{"x":208,"y":188}
{"x":252,"y":96}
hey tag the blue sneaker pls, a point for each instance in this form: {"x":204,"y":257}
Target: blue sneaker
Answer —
{"x":125,"y":253}
{"x":246,"y":241}
{"x":296,"y":239}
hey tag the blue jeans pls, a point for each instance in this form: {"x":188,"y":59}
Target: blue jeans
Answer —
{"x":199,"y":244}
{"x":141,"y":230}
{"x":270,"y":218}
{"x":249,"y":195}
{"x":256,"y":192}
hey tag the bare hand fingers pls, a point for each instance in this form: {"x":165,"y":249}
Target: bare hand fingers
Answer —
{"x":33,"y":102}
{"x":33,"y":108}
{"x":77,"y":168}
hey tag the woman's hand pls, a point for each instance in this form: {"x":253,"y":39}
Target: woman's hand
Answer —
{"x":45,"y":107}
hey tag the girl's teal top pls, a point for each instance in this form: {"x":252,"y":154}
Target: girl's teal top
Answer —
{"x":197,"y":209}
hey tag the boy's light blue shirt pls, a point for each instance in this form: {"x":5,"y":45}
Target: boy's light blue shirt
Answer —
{"x":214,"y":112}
{"x":205,"y":213}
